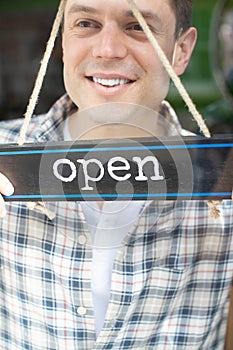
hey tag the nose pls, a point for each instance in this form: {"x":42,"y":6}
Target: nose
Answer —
{"x":110,"y":43}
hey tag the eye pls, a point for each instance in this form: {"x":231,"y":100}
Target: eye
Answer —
{"x":85,"y":27}
{"x":86,"y":24}
{"x":135,"y":27}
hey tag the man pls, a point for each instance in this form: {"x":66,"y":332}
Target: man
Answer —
{"x":163,"y":278}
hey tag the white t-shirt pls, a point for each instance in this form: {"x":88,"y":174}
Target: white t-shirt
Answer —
{"x":108,"y":227}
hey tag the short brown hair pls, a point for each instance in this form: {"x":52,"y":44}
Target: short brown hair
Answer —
{"x":183,"y":13}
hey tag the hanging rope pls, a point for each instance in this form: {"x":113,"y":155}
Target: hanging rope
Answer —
{"x":50,"y":45}
{"x":176,"y":80}
{"x":35,"y":94}
{"x":214,"y":211}
{"x":41,"y":74}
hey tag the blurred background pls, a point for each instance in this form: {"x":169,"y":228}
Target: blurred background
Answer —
{"x":24,"y":30}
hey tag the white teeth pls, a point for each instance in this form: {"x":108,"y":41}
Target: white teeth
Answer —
{"x":111,"y":82}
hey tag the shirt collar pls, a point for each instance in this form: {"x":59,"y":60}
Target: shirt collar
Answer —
{"x":52,"y":126}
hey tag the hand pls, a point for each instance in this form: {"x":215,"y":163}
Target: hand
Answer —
{"x":6,"y":189}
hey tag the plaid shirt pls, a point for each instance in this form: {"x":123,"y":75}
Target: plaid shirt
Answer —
{"x":170,"y":280}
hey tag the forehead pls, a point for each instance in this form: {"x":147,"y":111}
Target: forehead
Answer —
{"x":118,"y":7}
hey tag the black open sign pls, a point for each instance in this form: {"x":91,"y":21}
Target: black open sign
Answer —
{"x":170,"y":168}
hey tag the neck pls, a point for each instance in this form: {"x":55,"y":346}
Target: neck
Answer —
{"x":116,"y":123}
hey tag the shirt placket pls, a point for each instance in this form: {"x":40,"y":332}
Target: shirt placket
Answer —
{"x":72,"y":266}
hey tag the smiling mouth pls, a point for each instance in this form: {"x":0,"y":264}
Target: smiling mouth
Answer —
{"x":110,"y":82}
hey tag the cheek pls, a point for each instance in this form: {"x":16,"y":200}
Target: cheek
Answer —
{"x":145,"y":56}
{"x":149,"y":60}
{"x":69,"y":59}
{"x":72,"y":55}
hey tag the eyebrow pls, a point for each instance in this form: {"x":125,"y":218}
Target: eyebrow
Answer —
{"x":128,"y":14}
{"x":82,"y":8}
{"x":147,"y":15}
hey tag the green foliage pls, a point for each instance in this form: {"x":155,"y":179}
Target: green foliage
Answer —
{"x":27,"y":5}
{"x":198,"y":78}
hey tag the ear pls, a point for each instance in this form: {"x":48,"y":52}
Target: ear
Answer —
{"x":183,"y":50}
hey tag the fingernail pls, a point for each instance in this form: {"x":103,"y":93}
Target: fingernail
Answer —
{"x":9,"y":190}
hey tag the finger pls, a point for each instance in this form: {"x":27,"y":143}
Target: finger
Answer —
{"x":6,"y":187}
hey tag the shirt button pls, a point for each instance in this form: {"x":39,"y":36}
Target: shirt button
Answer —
{"x":82,"y":239}
{"x":81,"y":311}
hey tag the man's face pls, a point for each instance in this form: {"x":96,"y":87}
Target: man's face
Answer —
{"x":107,"y":57}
